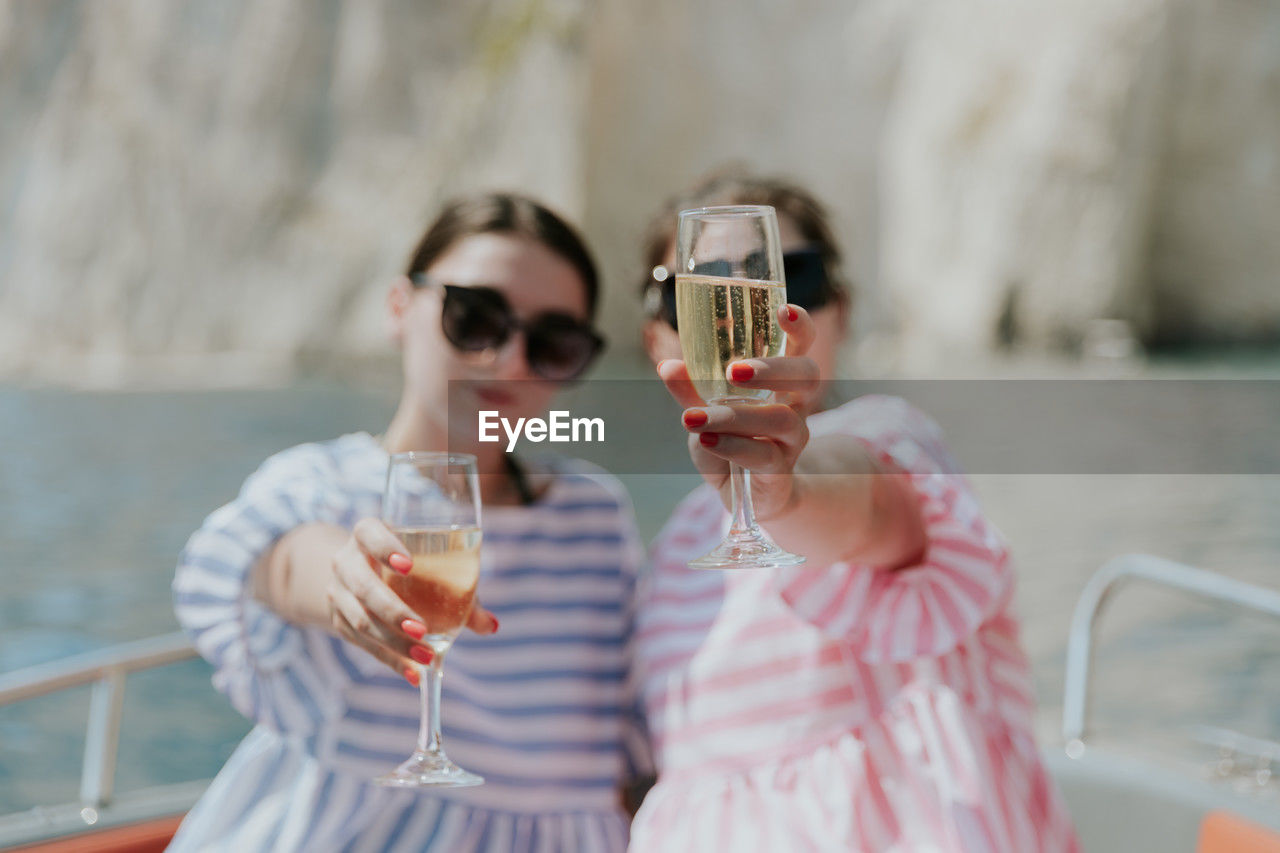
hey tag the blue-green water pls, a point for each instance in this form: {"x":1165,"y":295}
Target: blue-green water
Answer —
{"x":99,"y":494}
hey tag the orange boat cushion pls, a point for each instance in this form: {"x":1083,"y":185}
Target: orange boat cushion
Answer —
{"x":1223,"y":832}
{"x":149,"y":837}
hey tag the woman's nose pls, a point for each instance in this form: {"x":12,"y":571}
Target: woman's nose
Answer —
{"x":510,"y":361}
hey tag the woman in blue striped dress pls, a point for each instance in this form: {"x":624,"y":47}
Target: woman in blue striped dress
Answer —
{"x":280,"y":589}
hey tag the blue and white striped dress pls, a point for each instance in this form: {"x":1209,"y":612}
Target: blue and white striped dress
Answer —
{"x":541,"y":710}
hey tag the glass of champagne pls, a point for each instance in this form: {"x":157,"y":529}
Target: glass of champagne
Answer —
{"x":432,"y":503}
{"x":729,"y":288}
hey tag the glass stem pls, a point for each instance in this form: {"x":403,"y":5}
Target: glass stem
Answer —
{"x":430,"y":677}
{"x":744,"y":513}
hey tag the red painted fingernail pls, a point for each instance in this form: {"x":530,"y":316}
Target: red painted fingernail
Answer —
{"x":694,"y":418}
{"x":792,"y":314}
{"x":741,"y":372}
{"x":411,"y":675}
{"x":709,"y":439}
{"x":495,"y":624}
{"x":421,"y":654}
{"x":400,"y":563}
{"x":413,"y":628}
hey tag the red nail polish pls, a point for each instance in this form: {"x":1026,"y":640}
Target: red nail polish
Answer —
{"x":792,"y":314}
{"x":694,"y":418}
{"x":411,"y":675}
{"x":421,"y":654}
{"x":400,"y":563}
{"x":709,"y":439}
{"x":413,"y":628}
{"x":495,"y":625}
{"x":741,"y":372}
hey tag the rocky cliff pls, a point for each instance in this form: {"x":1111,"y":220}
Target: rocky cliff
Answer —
{"x":223,"y":189}
{"x":226,"y":188}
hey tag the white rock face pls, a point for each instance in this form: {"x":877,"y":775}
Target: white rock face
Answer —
{"x":1214,"y":262}
{"x":1019,"y":169}
{"x":234,"y":184}
{"x":223,"y":190}
{"x":1048,"y":165}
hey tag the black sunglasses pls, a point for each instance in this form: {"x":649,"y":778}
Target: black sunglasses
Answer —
{"x":806,"y":275}
{"x":558,"y":347}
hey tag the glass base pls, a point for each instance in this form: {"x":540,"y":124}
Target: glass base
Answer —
{"x":425,"y":770}
{"x":747,"y":552}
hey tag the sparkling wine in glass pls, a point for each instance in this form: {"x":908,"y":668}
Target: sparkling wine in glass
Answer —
{"x":729,"y":287}
{"x":432,"y":503}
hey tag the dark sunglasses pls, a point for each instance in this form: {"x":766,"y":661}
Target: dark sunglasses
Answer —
{"x":806,"y":274}
{"x":558,"y":347}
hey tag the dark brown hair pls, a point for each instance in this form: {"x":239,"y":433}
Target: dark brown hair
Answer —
{"x":506,"y":213}
{"x":734,"y":185}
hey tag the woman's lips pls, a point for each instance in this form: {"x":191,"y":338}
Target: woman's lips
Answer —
{"x":492,"y":396}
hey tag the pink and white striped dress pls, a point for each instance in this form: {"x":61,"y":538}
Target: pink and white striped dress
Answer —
{"x":842,"y":708}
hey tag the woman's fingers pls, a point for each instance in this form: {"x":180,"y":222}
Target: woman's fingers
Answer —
{"x":758,"y":455}
{"x":371,"y":591}
{"x":765,"y":438}
{"x":378,"y":542}
{"x":798,"y":325}
{"x":675,"y":375}
{"x":770,"y":421}
{"x":482,"y":621}
{"x":357,"y":625}
{"x":712,"y":468}
{"x":783,"y":374}
{"x":367,"y":612}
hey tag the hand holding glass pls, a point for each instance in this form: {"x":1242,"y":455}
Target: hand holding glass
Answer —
{"x":729,"y":288}
{"x":432,"y":503}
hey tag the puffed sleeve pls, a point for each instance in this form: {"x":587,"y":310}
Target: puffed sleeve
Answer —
{"x":266,"y":666}
{"x":922,"y":610}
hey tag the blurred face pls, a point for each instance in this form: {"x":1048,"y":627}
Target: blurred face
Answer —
{"x":533,"y":279}
{"x":662,"y":341}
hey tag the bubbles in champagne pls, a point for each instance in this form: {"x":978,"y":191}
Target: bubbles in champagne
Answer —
{"x":441,"y":586}
{"x":723,"y":320}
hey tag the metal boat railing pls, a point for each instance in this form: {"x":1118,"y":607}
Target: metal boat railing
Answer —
{"x":1101,"y":588}
{"x":106,"y":670}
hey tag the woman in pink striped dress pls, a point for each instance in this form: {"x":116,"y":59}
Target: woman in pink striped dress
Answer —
{"x":875,"y":699}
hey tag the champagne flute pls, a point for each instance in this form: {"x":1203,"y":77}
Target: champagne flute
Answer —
{"x":729,"y":288}
{"x":432,"y":503}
